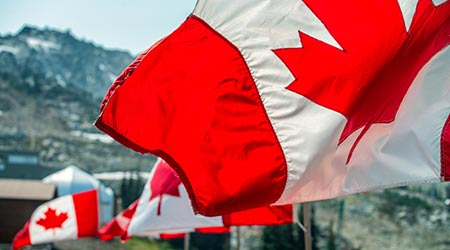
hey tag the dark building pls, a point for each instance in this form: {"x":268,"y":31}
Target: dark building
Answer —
{"x":22,"y":165}
{"x":20,"y":197}
{"x":18,"y":200}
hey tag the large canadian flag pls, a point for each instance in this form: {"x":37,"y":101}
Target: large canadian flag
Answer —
{"x":260,"y":102}
{"x":164,"y":207}
{"x":67,"y":217}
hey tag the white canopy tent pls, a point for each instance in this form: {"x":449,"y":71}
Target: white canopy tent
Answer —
{"x":74,"y":180}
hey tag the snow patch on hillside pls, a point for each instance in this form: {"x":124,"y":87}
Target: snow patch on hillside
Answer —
{"x":36,"y":43}
{"x":93,"y":136}
{"x":9,"y":49}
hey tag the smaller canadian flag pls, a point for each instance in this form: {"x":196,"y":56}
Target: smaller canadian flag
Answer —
{"x":67,"y":217}
{"x":164,"y":210}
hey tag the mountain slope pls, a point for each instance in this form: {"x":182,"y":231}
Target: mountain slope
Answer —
{"x":62,"y":59}
{"x":51,"y":85}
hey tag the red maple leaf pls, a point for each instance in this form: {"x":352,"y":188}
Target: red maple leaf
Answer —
{"x":164,"y":181}
{"x":51,"y":220}
{"x":368,"y":79}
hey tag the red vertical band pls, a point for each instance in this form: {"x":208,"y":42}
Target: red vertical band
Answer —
{"x":171,"y":236}
{"x":192,"y":101}
{"x":86,"y":211}
{"x":273,"y":215}
{"x":213,"y":230}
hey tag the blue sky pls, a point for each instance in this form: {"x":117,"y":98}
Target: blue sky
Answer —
{"x":132,"y":25}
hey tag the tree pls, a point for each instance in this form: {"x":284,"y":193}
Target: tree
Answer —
{"x":200,"y":241}
{"x":281,"y":237}
{"x":289,"y":236}
{"x":131,"y":188}
{"x":331,"y":243}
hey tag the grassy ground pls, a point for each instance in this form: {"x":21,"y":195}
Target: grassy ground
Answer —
{"x":95,"y":244}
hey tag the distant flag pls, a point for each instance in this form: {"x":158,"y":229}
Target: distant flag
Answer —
{"x":67,"y":217}
{"x":164,"y":207}
{"x":168,"y":236}
{"x":275,"y":102}
{"x":118,"y":226}
{"x":180,"y":235}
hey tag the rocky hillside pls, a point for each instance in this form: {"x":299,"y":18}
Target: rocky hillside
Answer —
{"x":51,"y":85}
{"x":60,"y":59}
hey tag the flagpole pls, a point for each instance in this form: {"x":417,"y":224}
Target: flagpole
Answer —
{"x":186,"y":241}
{"x":307,"y":225}
{"x":238,"y":238}
{"x":340,"y":223}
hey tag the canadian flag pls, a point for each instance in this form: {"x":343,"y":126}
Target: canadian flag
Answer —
{"x":67,"y":217}
{"x":261,"y":102}
{"x":164,"y":207}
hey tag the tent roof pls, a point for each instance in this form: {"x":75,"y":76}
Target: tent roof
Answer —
{"x":72,"y":180}
{"x":72,"y":174}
